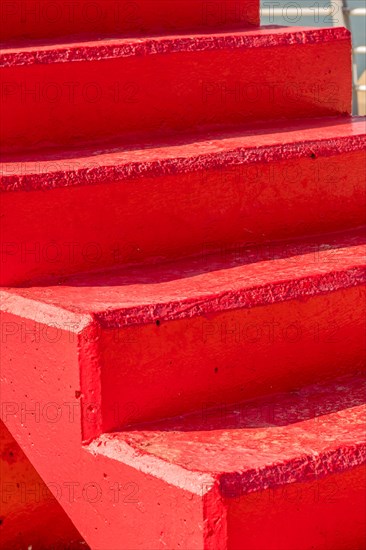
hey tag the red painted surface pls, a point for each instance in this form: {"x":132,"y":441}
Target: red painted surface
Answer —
{"x":325,"y":514}
{"x":64,"y":213}
{"x":205,"y":467}
{"x":64,"y":95}
{"x":207,"y":329}
{"x":50,"y":18}
{"x":27,"y":505}
{"x":287,"y":426}
{"x":128,"y":147}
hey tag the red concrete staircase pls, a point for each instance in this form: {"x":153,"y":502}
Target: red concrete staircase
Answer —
{"x":183,"y":272}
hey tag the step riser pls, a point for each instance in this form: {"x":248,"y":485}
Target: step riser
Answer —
{"x":315,"y":514}
{"x":52,"y":18}
{"x":223,"y":358}
{"x":69,"y":103}
{"x":58,"y":232}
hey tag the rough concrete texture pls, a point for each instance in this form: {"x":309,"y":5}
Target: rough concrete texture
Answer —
{"x":264,"y":184}
{"x":189,"y":376}
{"x":139,"y":88}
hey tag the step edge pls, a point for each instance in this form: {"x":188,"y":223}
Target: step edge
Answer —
{"x":44,"y":313}
{"x":293,"y":287}
{"x":100,"y":173}
{"x":172,"y":44}
{"x":302,"y":288}
{"x":198,"y":483}
{"x":298,"y":470}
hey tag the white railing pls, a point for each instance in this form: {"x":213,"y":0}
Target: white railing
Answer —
{"x":317,"y":11}
{"x":355,"y":11}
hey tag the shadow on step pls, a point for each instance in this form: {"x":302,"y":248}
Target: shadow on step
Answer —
{"x":284,"y":409}
{"x":219,"y":259}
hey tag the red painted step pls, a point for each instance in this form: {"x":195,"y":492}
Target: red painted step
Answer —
{"x":278,"y":449}
{"x":62,"y":94}
{"x":278,"y":472}
{"x":222,"y":328}
{"x":50,"y":18}
{"x":94,"y":208}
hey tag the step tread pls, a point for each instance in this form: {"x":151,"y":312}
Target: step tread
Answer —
{"x":234,"y":279}
{"x":113,"y":161}
{"x":55,"y":52}
{"x":284,"y":438}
